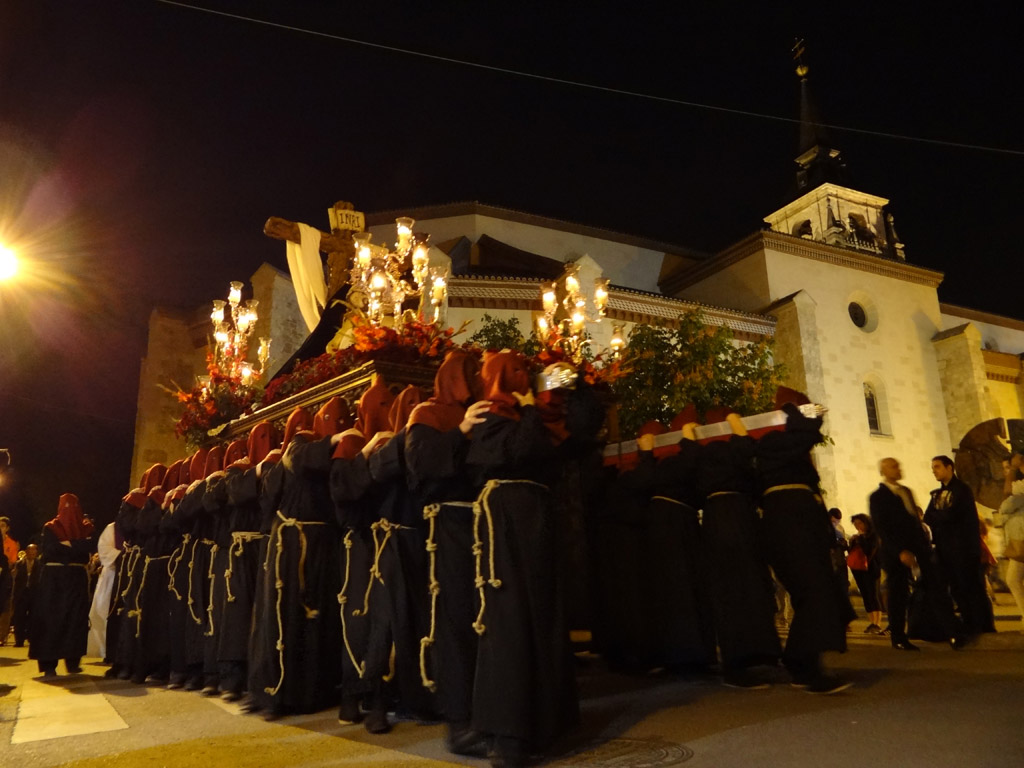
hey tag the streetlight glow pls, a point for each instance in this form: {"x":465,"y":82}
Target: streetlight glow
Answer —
{"x":8,"y":263}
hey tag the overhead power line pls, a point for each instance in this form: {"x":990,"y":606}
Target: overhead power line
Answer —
{"x":594,"y":86}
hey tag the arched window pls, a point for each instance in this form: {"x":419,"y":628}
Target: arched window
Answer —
{"x":876,"y":405}
{"x":871,"y":403}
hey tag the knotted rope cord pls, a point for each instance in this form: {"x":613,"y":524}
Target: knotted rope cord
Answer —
{"x":172,"y":565}
{"x":211,"y":576}
{"x":137,"y":613}
{"x":191,"y":567}
{"x":117,"y":587}
{"x":482,"y":508}
{"x":238,"y":541}
{"x":343,"y":599}
{"x":434,"y":586}
{"x":391,"y":665}
{"x":378,"y":548}
{"x":668,"y":498}
{"x":133,"y":558}
{"x":311,"y":613}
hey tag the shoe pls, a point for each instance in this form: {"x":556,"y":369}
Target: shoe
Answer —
{"x":887,"y":632}
{"x":50,"y":674}
{"x":377,"y":721}
{"x":193,"y":685}
{"x":507,"y":752}
{"x":826,"y":684}
{"x":210,"y":690}
{"x":19,"y":645}
{"x":873,"y":629}
{"x":230,"y":696}
{"x":744,"y":680}
{"x":249,"y":706}
{"x":957,"y":643}
{"x":124,"y":674}
{"x":904,"y":645}
{"x":74,"y":670}
{"x":348,"y":712}
{"x":465,"y":741}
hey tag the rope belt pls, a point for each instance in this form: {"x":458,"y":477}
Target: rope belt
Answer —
{"x":64,"y":565}
{"x":211,"y":576}
{"x":482,"y":508}
{"x":191,"y":568}
{"x":378,"y":548}
{"x":238,"y":541}
{"x":343,"y":599}
{"x":667,"y":498}
{"x":278,"y":533}
{"x":172,"y":565}
{"x":724,"y":493}
{"x":430,"y":513}
{"x":133,"y":557}
{"x":137,"y":613}
{"x":117,"y":587}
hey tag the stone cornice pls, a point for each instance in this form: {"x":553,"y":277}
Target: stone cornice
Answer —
{"x":979,"y":316}
{"x":1002,"y":366}
{"x":808,"y":249}
{"x":474,"y":208}
{"x":624,"y":304}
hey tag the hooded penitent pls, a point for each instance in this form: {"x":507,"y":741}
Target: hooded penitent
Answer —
{"x":298,"y":421}
{"x":402,"y":408}
{"x":262,"y":440}
{"x":197,"y":467}
{"x":457,"y":385}
{"x":235,"y":453}
{"x":214,"y":460}
{"x":333,"y":417}
{"x":504,"y":375}
{"x":70,"y":523}
{"x":785,"y":395}
{"x":373,"y":409}
{"x":686,"y":416}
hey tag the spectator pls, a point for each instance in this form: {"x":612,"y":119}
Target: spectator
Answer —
{"x":25,"y":576}
{"x":1012,"y":512}
{"x":10,"y":558}
{"x":867,"y":569}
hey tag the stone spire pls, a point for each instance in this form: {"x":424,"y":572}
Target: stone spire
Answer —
{"x":818,"y":161}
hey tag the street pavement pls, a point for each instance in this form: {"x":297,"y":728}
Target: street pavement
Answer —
{"x":935,"y":708}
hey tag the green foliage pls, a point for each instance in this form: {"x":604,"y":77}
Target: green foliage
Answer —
{"x":504,"y":334}
{"x":665,"y":369}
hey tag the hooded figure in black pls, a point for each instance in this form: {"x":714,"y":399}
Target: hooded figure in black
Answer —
{"x":798,"y":538}
{"x":524,"y":691}
{"x":436,"y":445}
{"x":60,"y":618}
{"x":295,"y":665}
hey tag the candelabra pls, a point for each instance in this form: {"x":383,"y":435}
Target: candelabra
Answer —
{"x":570,"y":330}
{"x":379,"y":275}
{"x":233,"y":325}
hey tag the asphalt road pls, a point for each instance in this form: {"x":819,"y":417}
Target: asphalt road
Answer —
{"x":935,"y":708}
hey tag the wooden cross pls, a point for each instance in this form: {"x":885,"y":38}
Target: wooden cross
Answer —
{"x":337,"y":243}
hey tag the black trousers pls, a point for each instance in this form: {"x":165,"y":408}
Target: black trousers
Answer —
{"x":938,"y":602}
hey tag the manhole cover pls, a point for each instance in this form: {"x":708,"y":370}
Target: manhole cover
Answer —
{"x":628,"y":753}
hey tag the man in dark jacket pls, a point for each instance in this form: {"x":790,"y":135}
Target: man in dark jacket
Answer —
{"x":906,"y":552}
{"x":953,"y":518}
{"x":25,"y":576}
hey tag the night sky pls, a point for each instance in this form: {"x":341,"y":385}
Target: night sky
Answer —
{"x":143,"y":144}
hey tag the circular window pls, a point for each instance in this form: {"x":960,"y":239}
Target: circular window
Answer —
{"x":862,"y":311}
{"x":857,"y":314}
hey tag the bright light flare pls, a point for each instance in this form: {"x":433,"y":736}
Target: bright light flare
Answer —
{"x":8,"y":263}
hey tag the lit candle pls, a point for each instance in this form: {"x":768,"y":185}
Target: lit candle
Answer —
{"x":217,"y":316}
{"x":404,"y":225}
{"x":438,"y":290}
{"x":548,"y":296}
{"x":235,"y":293}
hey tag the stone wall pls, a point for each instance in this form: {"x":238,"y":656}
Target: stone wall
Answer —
{"x":964,"y":384}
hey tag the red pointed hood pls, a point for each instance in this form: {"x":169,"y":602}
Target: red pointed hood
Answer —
{"x":70,"y":524}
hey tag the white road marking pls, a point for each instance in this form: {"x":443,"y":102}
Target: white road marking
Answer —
{"x":69,"y":708}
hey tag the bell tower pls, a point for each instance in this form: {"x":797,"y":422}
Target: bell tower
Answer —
{"x":826,"y":209}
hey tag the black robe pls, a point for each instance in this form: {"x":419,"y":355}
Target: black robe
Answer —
{"x":953,"y":517}
{"x":242,"y":563}
{"x":742,"y":592}
{"x":524,"y":686}
{"x":405,"y":590}
{"x":798,"y":536}
{"x":148,"y":619}
{"x":295,"y":659}
{"x":59,"y":627}
{"x":435,"y":464}
{"x":678,"y":624}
